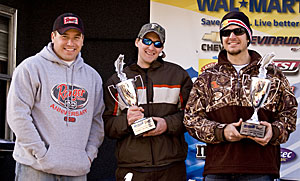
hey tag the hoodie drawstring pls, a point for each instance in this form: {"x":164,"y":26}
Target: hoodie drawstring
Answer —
{"x":69,"y":98}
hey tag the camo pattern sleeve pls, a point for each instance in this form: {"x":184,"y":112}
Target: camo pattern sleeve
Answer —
{"x":287,"y":111}
{"x":195,"y":118}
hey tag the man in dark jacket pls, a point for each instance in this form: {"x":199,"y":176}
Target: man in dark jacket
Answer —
{"x":158,"y":154}
{"x":219,"y":102}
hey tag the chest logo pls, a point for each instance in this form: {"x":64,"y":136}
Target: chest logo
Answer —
{"x":69,"y":96}
{"x":214,"y":85}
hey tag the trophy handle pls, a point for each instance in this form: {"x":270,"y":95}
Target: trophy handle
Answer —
{"x":244,"y":85}
{"x":275,"y":92}
{"x":114,"y":96}
{"x":140,"y":77}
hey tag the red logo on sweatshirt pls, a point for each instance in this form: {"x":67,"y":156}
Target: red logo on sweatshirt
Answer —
{"x":69,"y":96}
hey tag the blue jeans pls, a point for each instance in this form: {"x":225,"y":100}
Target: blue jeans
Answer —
{"x":238,"y":177}
{"x":27,"y":173}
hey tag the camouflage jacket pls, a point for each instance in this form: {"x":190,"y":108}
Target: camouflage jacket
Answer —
{"x":220,"y":90}
{"x":221,"y":96}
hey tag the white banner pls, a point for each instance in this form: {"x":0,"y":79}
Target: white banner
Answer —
{"x":192,"y":41}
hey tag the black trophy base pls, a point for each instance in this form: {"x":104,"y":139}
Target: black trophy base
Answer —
{"x":252,"y":129}
{"x":143,"y":125}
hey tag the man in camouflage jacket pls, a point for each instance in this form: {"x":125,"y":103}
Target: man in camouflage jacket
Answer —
{"x":220,"y":101}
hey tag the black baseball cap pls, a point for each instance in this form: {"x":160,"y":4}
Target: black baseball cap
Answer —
{"x":68,"y":21}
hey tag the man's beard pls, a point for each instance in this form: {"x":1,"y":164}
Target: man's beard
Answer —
{"x":234,"y":52}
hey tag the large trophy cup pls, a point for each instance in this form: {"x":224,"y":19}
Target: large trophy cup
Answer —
{"x":259,"y":90}
{"x":129,"y":95}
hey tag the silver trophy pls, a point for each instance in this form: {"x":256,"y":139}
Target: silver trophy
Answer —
{"x":259,"y":91}
{"x":128,"y":93}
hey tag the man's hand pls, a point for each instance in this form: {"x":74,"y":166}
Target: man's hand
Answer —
{"x":265,"y":140}
{"x":161,"y":127}
{"x":231,"y":133}
{"x":134,"y":113}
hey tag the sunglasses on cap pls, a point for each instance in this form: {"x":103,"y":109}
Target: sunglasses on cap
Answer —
{"x":148,"y":42}
{"x":236,"y":31}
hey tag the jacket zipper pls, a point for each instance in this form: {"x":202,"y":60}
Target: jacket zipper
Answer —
{"x":147,"y":91}
{"x":238,"y":86}
{"x":148,"y":111}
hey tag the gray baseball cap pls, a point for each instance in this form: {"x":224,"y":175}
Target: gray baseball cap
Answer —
{"x":153,"y":27}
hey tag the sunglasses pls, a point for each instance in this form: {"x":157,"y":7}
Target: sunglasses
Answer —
{"x":236,"y":31}
{"x":148,"y":42}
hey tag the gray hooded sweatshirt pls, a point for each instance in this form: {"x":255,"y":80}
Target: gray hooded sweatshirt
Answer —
{"x":55,"y":111}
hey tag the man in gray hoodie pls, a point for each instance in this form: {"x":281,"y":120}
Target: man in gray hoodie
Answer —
{"x":55,"y":106}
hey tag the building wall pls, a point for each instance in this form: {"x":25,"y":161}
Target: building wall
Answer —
{"x":111,"y":27}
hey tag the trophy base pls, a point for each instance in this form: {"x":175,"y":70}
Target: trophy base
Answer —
{"x":252,"y":129}
{"x":143,"y":125}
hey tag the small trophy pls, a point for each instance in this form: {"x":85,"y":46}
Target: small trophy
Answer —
{"x":128,"y":93}
{"x":260,"y":88}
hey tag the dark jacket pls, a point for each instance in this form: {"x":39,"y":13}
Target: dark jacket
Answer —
{"x":167,"y":89}
{"x":221,"y":96}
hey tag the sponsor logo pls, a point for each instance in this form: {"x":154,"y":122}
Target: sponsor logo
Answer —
{"x":286,"y":155}
{"x":67,"y":96}
{"x":295,"y":49}
{"x":212,"y":36}
{"x":211,"y":47}
{"x":206,"y":66}
{"x":206,"y":63}
{"x":201,"y":151}
{"x":253,"y":5}
{"x":70,"y":20}
{"x":275,"y":40}
{"x":287,"y":66}
{"x":71,"y":119}
{"x":293,"y":89}
{"x":214,"y":85}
